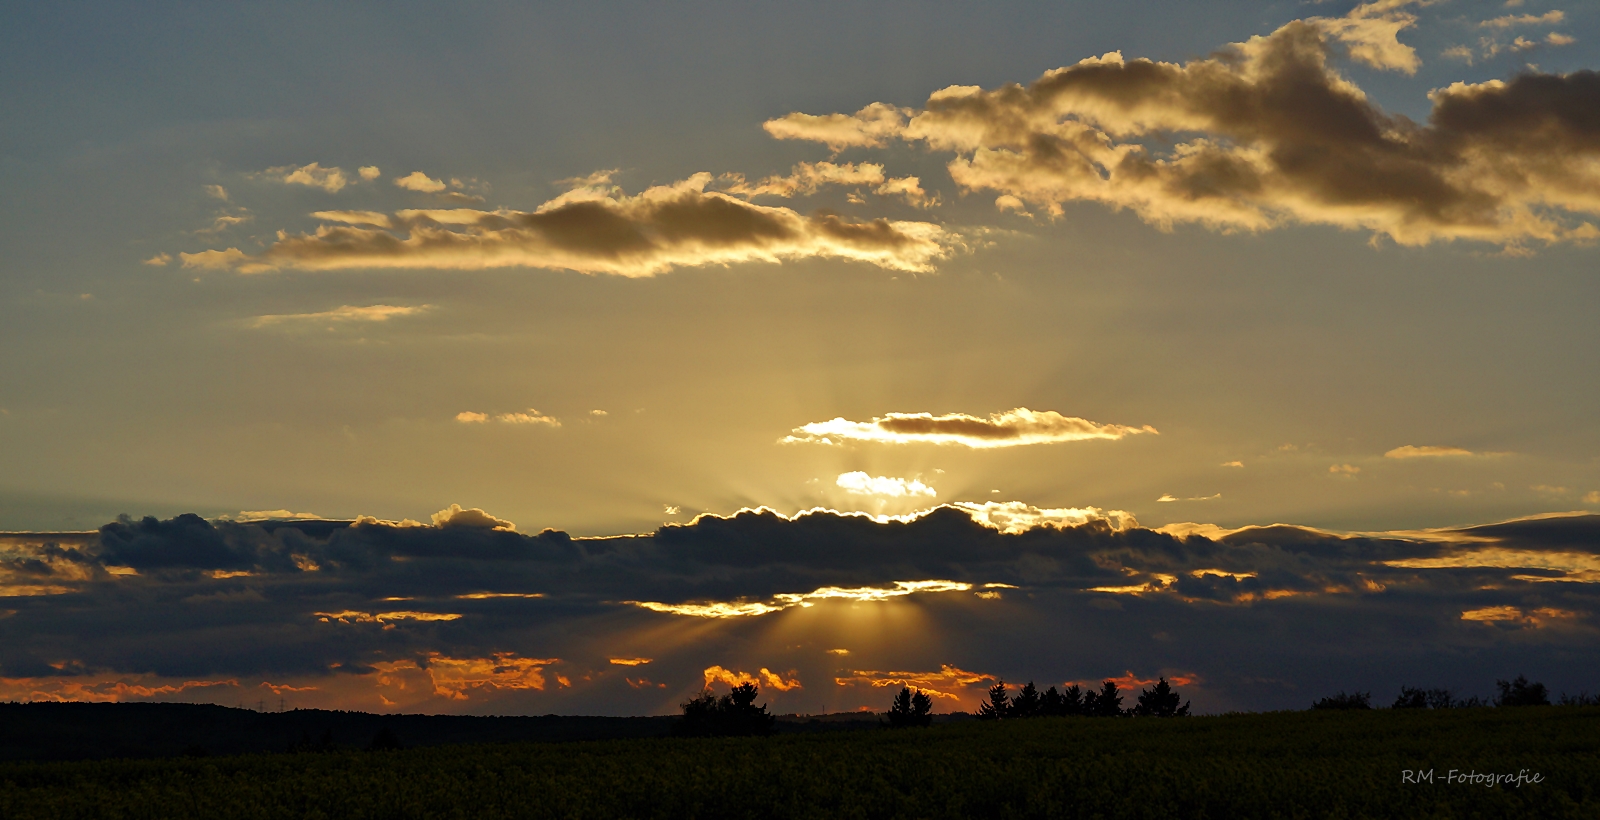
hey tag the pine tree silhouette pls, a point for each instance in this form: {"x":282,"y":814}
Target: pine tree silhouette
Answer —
{"x":1026,"y":704}
{"x":1072,"y":701}
{"x":910,"y":709}
{"x":1105,"y":703}
{"x":998,"y":706}
{"x":1160,"y":701}
{"x":1051,"y":704}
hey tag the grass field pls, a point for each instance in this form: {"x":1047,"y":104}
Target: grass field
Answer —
{"x":1277,"y":765}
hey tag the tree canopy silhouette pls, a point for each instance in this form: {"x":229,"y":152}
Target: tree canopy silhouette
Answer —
{"x":1105,"y":703}
{"x":1027,"y":703}
{"x":1160,"y":701}
{"x":1429,"y":699}
{"x":1354,"y":700}
{"x":1520,"y":692}
{"x":735,"y":713}
{"x":998,"y":706}
{"x":910,"y":709}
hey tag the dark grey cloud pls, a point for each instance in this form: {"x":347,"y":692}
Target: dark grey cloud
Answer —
{"x":1262,"y":616}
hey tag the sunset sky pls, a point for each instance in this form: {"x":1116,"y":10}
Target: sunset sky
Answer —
{"x":1248,"y":344}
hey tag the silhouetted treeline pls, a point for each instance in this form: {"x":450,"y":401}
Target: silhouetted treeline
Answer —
{"x":1517,"y":692}
{"x":1160,"y":700}
{"x":77,"y":731}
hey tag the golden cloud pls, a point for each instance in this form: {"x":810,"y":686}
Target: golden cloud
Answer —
{"x":1535,"y":618}
{"x":1012,"y":517}
{"x":1576,"y":567}
{"x":313,"y":175}
{"x":766,"y":678}
{"x":418,"y":181}
{"x":1425,"y":451}
{"x":807,"y":178}
{"x":455,"y":516}
{"x":870,"y":127}
{"x":860,"y":483}
{"x":349,"y":616}
{"x":785,"y":600}
{"x":455,"y":678}
{"x":1012,"y":428}
{"x":594,"y":229}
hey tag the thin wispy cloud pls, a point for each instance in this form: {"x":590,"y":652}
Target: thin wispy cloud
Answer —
{"x":341,"y":314}
{"x":1549,"y":18}
{"x":532,"y":416}
{"x":1426,"y":451}
{"x":785,"y":600}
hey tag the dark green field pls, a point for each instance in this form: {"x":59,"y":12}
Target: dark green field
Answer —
{"x":1289,"y":764}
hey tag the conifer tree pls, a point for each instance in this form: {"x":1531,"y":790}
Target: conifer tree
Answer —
{"x":910,"y":709}
{"x":1072,"y":701}
{"x":1106,"y":703}
{"x":998,"y":705}
{"x":1026,"y":704}
{"x":1160,"y":701}
{"x":1052,"y":704}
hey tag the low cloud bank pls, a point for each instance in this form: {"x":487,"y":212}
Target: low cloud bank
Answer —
{"x":465,"y":613}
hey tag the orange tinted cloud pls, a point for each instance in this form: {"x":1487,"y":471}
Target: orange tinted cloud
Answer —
{"x":1128,"y":680}
{"x":386,"y":618}
{"x":949,"y":683}
{"x":98,"y":689}
{"x":765,"y":678}
{"x":460,"y":678}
